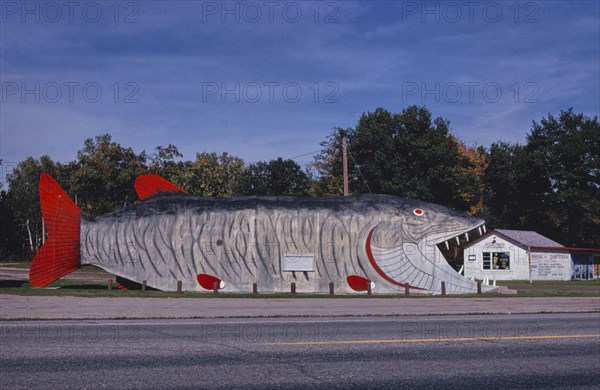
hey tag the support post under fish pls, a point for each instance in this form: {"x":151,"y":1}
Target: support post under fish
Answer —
{"x":179,"y":286}
{"x":254,"y":288}
{"x":443,"y":288}
{"x":331,"y":288}
{"x":293,"y":288}
{"x":406,"y":289}
{"x":478,"y":287}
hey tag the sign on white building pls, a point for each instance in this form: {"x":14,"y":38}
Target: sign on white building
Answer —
{"x":527,"y":255}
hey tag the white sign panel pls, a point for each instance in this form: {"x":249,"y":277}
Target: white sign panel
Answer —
{"x":550,"y":266}
{"x":298,"y":262}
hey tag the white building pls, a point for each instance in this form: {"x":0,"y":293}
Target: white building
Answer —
{"x":523,"y":255}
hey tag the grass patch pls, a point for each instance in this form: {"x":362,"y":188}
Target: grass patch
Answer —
{"x":91,"y":268}
{"x":98,"y":289}
{"x":19,"y":265}
{"x":543,"y":292}
{"x":595,"y":282}
{"x":92,"y":289}
{"x":27,"y":264}
{"x":554,"y":288}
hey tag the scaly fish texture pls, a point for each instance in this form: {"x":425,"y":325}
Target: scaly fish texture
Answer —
{"x":388,"y":241}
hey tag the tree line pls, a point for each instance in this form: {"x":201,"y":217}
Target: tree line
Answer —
{"x":550,"y":184}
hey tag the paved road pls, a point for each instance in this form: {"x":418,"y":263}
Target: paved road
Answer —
{"x":495,"y":352}
{"x":64,"y":307}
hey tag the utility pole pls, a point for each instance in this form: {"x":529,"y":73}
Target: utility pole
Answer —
{"x":529,"y":261}
{"x":345,"y":163}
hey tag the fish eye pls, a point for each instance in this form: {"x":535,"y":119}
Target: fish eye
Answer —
{"x":418,"y":212}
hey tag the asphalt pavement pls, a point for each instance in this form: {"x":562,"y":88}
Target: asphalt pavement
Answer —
{"x":68,"y":307}
{"x":493,"y":352}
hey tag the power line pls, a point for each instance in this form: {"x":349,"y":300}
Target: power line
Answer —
{"x":351,"y":156}
{"x":358,"y":168}
{"x":305,"y":154}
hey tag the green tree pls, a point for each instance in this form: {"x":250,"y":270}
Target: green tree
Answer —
{"x":163,"y":164}
{"x":470,"y":172}
{"x":11,"y":246}
{"x":103,"y":180}
{"x":565,"y":154}
{"x":276,"y":177}
{"x":328,"y":164}
{"x":212,"y":174}
{"x":502,"y":180}
{"x":552,"y":183}
{"x":406,"y":154}
{"x":22,"y":200}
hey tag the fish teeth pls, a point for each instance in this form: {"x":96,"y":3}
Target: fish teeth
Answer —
{"x":466,"y":235}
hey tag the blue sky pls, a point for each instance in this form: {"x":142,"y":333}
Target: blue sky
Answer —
{"x":267,"y":79}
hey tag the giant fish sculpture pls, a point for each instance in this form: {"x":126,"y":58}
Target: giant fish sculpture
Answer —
{"x":378,"y":242}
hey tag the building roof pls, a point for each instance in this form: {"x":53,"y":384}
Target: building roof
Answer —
{"x":532,"y":240}
{"x":528,"y":237}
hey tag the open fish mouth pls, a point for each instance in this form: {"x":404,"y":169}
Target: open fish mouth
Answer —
{"x":445,"y":238}
{"x":414,"y":266}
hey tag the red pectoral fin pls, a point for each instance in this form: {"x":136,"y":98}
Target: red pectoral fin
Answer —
{"x":151,"y":185}
{"x":207,"y":282}
{"x":358,"y":283}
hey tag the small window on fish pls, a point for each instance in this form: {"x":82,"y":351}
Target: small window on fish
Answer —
{"x":418,"y":212}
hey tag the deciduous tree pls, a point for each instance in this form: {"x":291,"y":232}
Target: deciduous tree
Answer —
{"x":104,"y":178}
{"x":407,"y":154}
{"x":276,"y":177}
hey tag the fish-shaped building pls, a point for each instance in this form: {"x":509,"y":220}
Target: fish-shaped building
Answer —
{"x":378,"y":242}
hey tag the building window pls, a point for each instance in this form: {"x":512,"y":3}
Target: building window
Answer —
{"x":496,"y":260}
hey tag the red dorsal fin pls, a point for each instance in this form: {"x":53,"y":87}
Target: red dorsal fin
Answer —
{"x":60,"y":254}
{"x":151,"y":185}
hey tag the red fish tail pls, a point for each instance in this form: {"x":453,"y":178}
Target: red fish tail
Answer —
{"x":60,"y":253}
